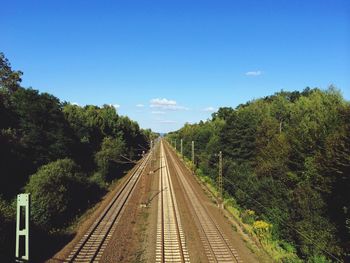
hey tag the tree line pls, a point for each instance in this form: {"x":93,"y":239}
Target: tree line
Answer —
{"x":286,"y":161}
{"x":65,"y":155}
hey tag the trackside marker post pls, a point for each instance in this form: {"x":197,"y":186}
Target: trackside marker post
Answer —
{"x":22,"y":228}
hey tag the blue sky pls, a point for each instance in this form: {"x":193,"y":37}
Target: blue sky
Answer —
{"x":180,"y":59}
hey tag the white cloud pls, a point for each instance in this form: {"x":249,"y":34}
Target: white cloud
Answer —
{"x":162,"y":102}
{"x":158,"y":112}
{"x":75,"y":103}
{"x":209,"y":109}
{"x":166,"y":104}
{"x":140,"y":105}
{"x":253,"y":73}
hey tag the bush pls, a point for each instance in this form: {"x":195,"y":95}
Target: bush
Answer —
{"x":248,"y":217}
{"x":262,"y":229}
{"x":58,"y":191}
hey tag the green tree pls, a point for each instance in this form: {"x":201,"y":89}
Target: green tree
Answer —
{"x":288,"y":158}
{"x":9,"y":79}
{"x":36,"y":130}
{"x":109,"y":157}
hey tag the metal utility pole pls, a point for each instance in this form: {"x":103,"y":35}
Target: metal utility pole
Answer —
{"x":193,"y":153}
{"x":181,"y":147}
{"x":152,"y":154}
{"x":220,"y":184}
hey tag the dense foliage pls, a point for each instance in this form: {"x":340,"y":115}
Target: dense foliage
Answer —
{"x":58,"y":190}
{"x":63,"y":154}
{"x":287,"y":158}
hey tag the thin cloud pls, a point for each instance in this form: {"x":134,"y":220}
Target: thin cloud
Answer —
{"x":253,"y":73}
{"x":167,"y":121}
{"x":158,"y":112}
{"x":165,"y":104}
{"x":140,"y":105}
{"x":209,"y":109}
{"x":116,"y":106}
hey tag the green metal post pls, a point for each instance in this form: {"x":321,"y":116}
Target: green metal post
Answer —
{"x":22,"y":227}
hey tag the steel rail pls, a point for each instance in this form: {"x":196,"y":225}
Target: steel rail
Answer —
{"x":171,"y":245}
{"x":216,"y":245}
{"x":91,"y":246}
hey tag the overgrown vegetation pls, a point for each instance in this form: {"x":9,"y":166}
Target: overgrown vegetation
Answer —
{"x":286,"y":168}
{"x":63,"y":154}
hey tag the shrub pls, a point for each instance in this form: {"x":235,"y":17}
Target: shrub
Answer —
{"x":58,"y":191}
{"x":248,"y":217}
{"x":262,"y":229}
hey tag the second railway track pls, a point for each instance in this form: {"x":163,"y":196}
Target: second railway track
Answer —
{"x":91,"y":246}
{"x":171,"y":245}
{"x":216,"y":245}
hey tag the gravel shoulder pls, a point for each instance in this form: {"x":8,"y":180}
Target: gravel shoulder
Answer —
{"x":125,"y":243}
{"x":148,"y":224}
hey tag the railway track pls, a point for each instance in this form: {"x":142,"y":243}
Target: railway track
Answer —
{"x":216,"y":245}
{"x":171,"y":245}
{"x":91,"y":246}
